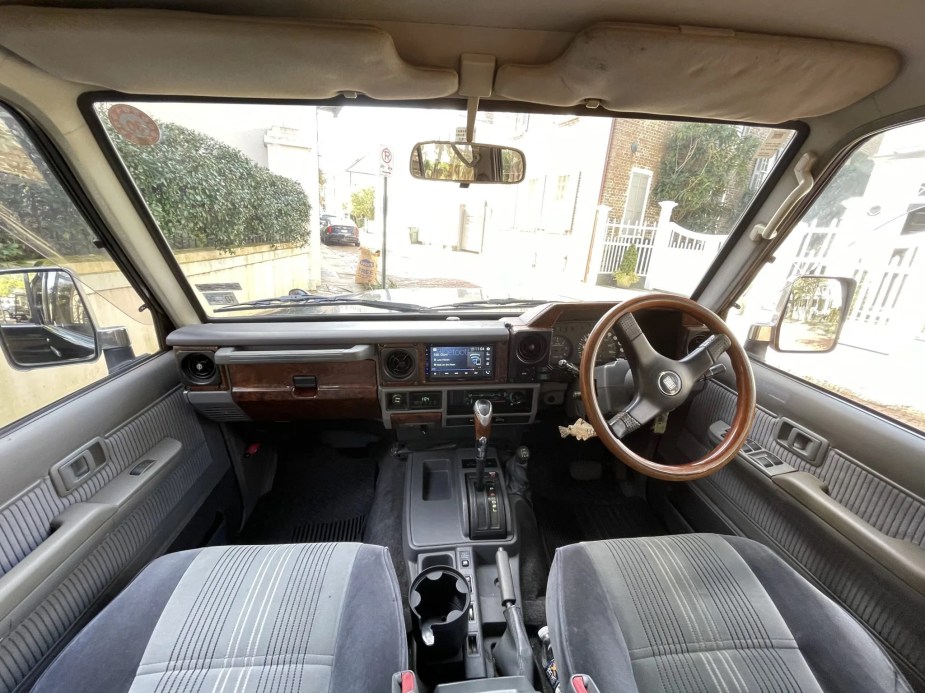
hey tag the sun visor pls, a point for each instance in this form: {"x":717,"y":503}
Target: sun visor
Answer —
{"x":184,"y":53}
{"x":705,"y":73}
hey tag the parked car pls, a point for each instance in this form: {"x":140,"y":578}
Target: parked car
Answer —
{"x":325,"y":218}
{"x":340,"y":231}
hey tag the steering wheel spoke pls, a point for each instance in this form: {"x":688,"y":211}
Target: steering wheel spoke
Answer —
{"x":635,"y":416}
{"x":639,"y":352}
{"x":704,"y":357}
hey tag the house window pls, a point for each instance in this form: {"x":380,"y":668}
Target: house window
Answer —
{"x":759,"y":172}
{"x":561,"y":187}
{"x":915,"y":221}
{"x":637,"y":197}
{"x":521,"y":124}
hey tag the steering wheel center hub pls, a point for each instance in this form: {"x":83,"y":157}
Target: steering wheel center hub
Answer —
{"x":669,"y":383}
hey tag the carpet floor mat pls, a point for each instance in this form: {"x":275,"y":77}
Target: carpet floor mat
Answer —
{"x":320,"y":494}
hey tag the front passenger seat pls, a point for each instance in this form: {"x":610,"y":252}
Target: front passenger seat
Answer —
{"x":285,"y":618}
{"x":703,"y":612}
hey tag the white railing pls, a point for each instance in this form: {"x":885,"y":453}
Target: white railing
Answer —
{"x":885,"y":304}
{"x":671,"y":258}
{"x":619,"y":239}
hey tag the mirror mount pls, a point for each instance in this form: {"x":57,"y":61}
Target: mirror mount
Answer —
{"x":116,"y":345}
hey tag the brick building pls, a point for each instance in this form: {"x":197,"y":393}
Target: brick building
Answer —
{"x":634,"y":152}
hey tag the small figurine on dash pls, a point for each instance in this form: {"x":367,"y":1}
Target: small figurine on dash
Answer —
{"x":581,"y":429}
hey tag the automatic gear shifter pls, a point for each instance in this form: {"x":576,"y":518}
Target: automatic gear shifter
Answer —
{"x":482,"y":414}
{"x":485,"y":495}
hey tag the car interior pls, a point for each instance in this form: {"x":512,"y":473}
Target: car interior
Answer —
{"x":255,"y":438}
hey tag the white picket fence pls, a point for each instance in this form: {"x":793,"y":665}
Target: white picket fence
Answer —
{"x":621,"y":238}
{"x":889,"y":276}
{"x":671,"y":258}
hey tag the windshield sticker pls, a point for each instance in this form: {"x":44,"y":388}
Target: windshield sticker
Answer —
{"x":220,"y":298}
{"x":134,"y":125}
{"x":223,"y":286}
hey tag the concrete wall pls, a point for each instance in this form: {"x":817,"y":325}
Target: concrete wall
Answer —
{"x":114,"y":303}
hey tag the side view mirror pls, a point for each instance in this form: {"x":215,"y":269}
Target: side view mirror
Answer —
{"x":811,"y":314}
{"x":467,"y":162}
{"x":809,"y":318}
{"x":45,"y":322}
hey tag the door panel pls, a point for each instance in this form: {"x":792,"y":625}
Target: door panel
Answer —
{"x":61,"y":556}
{"x":852,"y":520}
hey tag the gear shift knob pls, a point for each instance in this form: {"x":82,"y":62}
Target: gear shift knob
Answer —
{"x":482,"y":418}
{"x":482,"y":414}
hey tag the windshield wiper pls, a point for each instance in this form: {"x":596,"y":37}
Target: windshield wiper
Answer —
{"x":321,"y":300}
{"x":493,"y":302}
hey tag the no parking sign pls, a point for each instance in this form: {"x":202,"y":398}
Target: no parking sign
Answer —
{"x":385,"y":161}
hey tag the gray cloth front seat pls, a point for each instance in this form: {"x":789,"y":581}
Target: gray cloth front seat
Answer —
{"x":703,"y":612}
{"x":285,"y":618}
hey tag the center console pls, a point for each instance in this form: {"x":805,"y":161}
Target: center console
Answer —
{"x":461,"y":546}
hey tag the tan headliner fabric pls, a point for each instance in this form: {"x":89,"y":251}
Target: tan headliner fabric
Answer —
{"x":166,"y":53}
{"x":689,"y":71}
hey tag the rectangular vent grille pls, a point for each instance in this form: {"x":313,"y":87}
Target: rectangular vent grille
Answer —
{"x":350,"y":529}
{"x":222,"y":412}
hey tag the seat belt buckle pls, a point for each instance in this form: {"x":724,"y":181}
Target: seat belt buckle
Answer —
{"x":583,"y":684}
{"x":404,"y":682}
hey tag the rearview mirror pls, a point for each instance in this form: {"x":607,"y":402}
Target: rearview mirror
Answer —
{"x":45,"y":321}
{"x":811,"y":314}
{"x":465,"y":162}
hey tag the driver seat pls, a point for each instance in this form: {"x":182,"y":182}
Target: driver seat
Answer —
{"x":703,"y":612}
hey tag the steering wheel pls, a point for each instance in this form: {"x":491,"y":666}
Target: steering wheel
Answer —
{"x":662,"y":384}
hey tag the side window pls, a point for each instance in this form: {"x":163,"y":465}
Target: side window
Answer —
{"x":68,"y":315}
{"x":868,"y":225}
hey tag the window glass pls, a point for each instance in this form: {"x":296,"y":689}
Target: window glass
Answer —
{"x":608,"y":207}
{"x":63,"y":301}
{"x":867,"y":225}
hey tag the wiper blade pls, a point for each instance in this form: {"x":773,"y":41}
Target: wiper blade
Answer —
{"x":492,"y":302}
{"x":320,"y":300}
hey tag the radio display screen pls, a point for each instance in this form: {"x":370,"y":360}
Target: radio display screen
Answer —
{"x":460,"y":362}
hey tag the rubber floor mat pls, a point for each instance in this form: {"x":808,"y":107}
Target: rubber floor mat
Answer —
{"x":561,"y":524}
{"x":334,"y":530}
{"x":320,"y":493}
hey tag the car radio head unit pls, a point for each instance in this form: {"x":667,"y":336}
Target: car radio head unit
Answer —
{"x":460,"y":362}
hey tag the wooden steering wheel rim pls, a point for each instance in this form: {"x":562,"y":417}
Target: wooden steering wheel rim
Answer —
{"x":741,"y":424}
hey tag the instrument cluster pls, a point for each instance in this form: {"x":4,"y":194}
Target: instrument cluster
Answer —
{"x":569,"y":340}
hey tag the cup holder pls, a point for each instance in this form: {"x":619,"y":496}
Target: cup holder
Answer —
{"x":440,"y":600}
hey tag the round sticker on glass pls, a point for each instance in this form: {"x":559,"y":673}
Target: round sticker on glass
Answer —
{"x":134,"y":125}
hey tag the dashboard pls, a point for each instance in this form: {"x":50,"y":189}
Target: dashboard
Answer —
{"x":423,"y":373}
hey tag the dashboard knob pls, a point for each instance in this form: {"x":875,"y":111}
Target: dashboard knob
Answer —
{"x":517,"y":397}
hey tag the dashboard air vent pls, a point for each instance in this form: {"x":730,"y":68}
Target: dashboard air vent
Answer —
{"x":531,"y":348}
{"x":399,"y":364}
{"x":199,"y":368}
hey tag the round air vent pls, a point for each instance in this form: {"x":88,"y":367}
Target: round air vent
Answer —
{"x":531,"y":348}
{"x":199,"y":368}
{"x":399,"y":364}
{"x":696,"y":341}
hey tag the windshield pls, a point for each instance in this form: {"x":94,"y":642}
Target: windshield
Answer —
{"x":261,"y":204}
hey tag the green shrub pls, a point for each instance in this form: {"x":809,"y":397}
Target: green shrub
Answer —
{"x":206,"y":194}
{"x":626,"y":276}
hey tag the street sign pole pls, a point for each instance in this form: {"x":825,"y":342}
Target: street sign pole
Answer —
{"x":385,"y":170}
{"x":385,"y":215}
